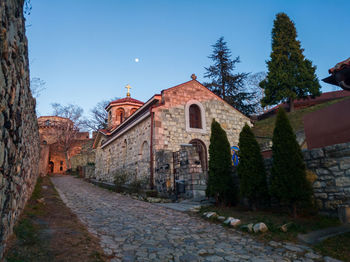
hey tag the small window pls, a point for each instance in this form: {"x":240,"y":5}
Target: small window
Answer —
{"x":195,"y":117}
{"x":47,"y":123}
{"x":120,"y":113}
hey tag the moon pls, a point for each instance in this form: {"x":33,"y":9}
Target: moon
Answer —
{"x":137,"y":60}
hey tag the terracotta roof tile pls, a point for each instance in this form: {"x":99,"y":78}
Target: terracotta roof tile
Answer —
{"x":340,"y":66}
{"x":125,"y":100}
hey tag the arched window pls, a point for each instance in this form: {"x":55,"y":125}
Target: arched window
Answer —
{"x":195,"y":117}
{"x":144,"y":154}
{"x":120,"y":113}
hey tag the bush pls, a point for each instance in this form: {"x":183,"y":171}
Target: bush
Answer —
{"x":120,"y":179}
{"x":251,"y":169}
{"x":220,"y":180}
{"x":136,"y":185}
{"x":288,"y":175}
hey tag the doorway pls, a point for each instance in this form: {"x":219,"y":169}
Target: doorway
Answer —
{"x":202,"y":152}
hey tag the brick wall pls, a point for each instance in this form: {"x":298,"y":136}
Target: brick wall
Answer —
{"x":19,"y":138}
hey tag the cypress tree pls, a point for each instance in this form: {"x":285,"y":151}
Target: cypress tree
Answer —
{"x":220,"y":180}
{"x":251,"y":169}
{"x":288,"y":174}
{"x":290,"y":74}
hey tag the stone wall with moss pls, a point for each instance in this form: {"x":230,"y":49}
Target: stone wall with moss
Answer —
{"x":19,"y":138}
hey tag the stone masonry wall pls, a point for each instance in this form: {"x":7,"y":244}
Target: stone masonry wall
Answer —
{"x":183,"y":166}
{"x":331,"y":167}
{"x":331,"y":164}
{"x":85,"y":157}
{"x":19,"y":138}
{"x":130,"y":152}
{"x":170,"y":118}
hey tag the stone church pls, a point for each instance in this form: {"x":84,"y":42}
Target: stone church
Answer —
{"x":164,"y":142}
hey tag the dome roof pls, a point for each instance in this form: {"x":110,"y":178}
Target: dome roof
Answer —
{"x":126,"y":100}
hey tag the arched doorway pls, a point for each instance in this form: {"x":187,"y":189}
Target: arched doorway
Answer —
{"x":51,"y":167}
{"x":202,"y":152}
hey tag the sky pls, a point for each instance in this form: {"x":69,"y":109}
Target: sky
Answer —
{"x":85,"y":50}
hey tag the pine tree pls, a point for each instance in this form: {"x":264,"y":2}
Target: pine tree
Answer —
{"x":251,"y":169}
{"x":290,"y":74}
{"x":226,"y":84}
{"x":220,"y":180}
{"x":288,"y":174}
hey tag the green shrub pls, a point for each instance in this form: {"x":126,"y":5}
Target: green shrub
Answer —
{"x":251,"y":169}
{"x":152,"y":193}
{"x":288,"y":175}
{"x":220,"y":180}
{"x":120,"y":179}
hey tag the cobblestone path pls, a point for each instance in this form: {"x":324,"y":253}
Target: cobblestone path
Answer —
{"x":132,"y":230}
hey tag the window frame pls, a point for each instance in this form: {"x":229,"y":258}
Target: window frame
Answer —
{"x":202,"y":130}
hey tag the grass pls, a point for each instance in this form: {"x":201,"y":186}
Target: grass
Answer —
{"x":274,"y":220}
{"x":337,"y":247}
{"x":48,"y":231}
{"x":264,"y":128}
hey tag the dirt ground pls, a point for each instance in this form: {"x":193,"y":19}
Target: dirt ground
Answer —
{"x":48,"y":231}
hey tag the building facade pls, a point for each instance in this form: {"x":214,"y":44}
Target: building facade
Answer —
{"x":166,"y":139}
{"x":53,"y":158}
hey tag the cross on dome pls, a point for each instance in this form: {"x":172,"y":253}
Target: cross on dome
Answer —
{"x":128,"y":93}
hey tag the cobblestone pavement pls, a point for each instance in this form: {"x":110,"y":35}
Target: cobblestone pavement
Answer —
{"x":132,"y":230}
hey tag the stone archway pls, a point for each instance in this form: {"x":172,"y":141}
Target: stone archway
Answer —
{"x":202,"y":152}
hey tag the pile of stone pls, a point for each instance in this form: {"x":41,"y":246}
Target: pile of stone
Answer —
{"x":234,"y":222}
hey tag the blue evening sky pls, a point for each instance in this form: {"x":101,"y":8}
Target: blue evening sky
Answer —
{"x":85,"y":50}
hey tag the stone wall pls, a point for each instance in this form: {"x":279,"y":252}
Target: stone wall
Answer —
{"x":128,"y":153}
{"x":331,"y":164}
{"x":170,"y":118}
{"x":85,"y":157}
{"x":19,"y":138}
{"x":331,"y":168}
{"x":180,"y":169}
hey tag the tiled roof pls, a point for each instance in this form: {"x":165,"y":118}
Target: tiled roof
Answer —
{"x":340,"y":66}
{"x":126,"y":100}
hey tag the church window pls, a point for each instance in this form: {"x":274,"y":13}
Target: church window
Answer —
{"x":120,"y":115}
{"x":195,"y":117}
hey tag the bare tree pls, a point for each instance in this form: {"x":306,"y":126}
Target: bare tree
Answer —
{"x":253,"y":83}
{"x":98,"y":117}
{"x":67,"y":128}
{"x":37,"y":86}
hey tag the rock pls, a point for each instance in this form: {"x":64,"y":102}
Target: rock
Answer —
{"x":228,"y":220}
{"x":312,"y":255}
{"x":329,"y":259}
{"x":260,"y":227}
{"x":153,"y":200}
{"x":41,"y":200}
{"x":235,"y":222}
{"x":221,"y":218}
{"x":284,"y":228}
{"x":293,"y":248}
{"x":274,"y":243}
{"x":250,"y":227}
{"x":211,"y":215}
